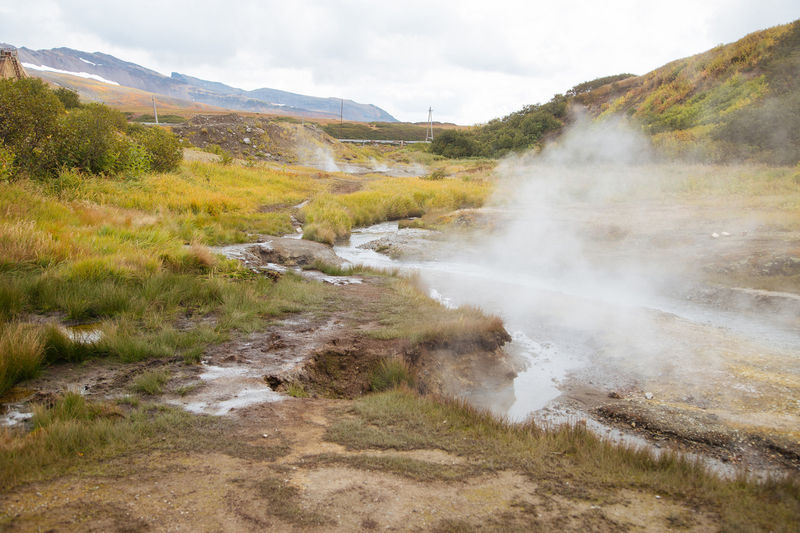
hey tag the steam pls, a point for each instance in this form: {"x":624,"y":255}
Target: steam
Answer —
{"x":592,"y":266}
{"x":566,"y":242}
{"x":319,"y":157}
{"x":323,"y":158}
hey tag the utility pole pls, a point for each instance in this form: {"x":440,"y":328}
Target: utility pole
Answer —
{"x":429,"y":130}
{"x":155,"y":112}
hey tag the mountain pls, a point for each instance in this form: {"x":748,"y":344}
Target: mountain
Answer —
{"x":735,"y":102}
{"x":66,"y":66}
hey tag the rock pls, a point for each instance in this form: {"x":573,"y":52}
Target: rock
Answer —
{"x":246,"y":140}
{"x":296,"y":252}
{"x":273,"y":381}
{"x":648,"y":395}
{"x":615,"y":395}
{"x":715,"y":235}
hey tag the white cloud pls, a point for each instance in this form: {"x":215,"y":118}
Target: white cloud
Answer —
{"x":471,"y":60}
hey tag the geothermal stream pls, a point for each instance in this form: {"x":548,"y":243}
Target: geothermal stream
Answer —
{"x":571,"y":332}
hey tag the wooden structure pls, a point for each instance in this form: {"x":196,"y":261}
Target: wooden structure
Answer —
{"x":10,"y":67}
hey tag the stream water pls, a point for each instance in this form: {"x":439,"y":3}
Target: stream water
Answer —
{"x":609,"y":337}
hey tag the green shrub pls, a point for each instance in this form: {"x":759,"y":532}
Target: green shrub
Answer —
{"x":29,"y":115}
{"x":455,"y":144}
{"x":135,"y":159}
{"x":69,"y":99}
{"x":91,"y":139}
{"x":162,"y":147}
{"x":6,"y":163}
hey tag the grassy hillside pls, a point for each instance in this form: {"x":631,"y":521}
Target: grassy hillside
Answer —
{"x":735,"y":102}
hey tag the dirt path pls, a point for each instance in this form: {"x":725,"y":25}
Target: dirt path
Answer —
{"x":292,"y":479}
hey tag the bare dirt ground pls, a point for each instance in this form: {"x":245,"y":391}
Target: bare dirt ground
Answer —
{"x":283,"y":484}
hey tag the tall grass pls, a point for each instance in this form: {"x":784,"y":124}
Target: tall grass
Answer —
{"x":391,"y":373}
{"x":21,"y":353}
{"x":132,"y":256}
{"x":151,"y":382}
{"x":407,"y":312}
{"x":73,"y":431}
{"x":329,"y":217}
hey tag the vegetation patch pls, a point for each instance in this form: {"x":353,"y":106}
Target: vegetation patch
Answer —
{"x":151,"y":382}
{"x":283,"y":501}
{"x":391,"y":373}
{"x":48,"y":130}
{"x":567,"y":460}
{"x":21,"y":353}
{"x":132,"y":257}
{"x":330,"y":217}
{"x":398,"y":465}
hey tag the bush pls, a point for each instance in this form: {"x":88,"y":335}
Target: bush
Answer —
{"x":6,"y":163}
{"x":455,"y":144}
{"x":69,"y":99}
{"x":162,"y":147}
{"x":38,"y":137}
{"x":91,"y":139}
{"x":29,"y":115}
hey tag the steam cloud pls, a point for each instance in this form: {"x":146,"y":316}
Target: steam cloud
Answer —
{"x":592,"y":268}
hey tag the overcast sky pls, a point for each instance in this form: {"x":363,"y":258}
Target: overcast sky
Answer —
{"x":471,"y":60}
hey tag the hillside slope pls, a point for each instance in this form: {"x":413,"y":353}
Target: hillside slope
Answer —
{"x":112,"y":71}
{"x":735,"y":102}
{"x":740,"y":100}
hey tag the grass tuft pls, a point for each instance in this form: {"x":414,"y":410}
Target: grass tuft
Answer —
{"x":151,"y":382}
{"x":21,"y":353}
{"x":391,"y":373}
{"x":296,"y":390}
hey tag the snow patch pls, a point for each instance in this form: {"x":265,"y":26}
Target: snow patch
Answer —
{"x":45,"y":68}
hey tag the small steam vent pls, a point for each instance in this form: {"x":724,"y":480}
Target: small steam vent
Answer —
{"x":10,"y":67}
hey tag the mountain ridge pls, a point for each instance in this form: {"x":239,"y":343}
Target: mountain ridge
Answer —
{"x":187,"y":88}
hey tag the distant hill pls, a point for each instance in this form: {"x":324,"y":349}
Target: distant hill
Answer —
{"x":66,"y":66}
{"x":739,"y":101}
